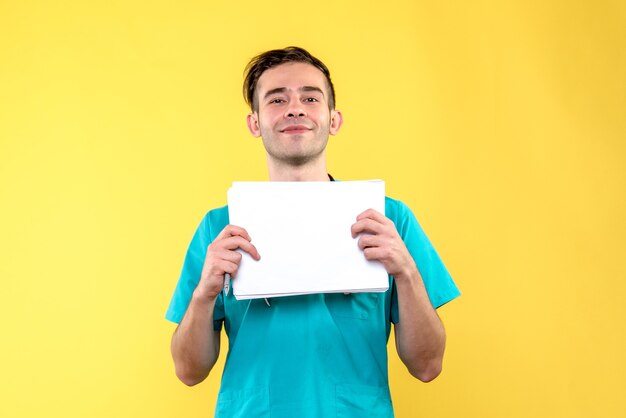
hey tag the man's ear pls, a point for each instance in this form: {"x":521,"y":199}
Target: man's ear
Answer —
{"x":336,"y":120}
{"x":253,"y":124}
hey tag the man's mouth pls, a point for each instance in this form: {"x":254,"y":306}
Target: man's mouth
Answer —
{"x":295,"y":129}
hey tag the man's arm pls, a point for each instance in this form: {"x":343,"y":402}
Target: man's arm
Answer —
{"x":420,"y":336}
{"x":195,"y":345}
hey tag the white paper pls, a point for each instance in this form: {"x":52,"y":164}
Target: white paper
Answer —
{"x":302,"y":232}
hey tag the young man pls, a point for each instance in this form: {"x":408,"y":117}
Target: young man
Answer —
{"x":316,"y":355}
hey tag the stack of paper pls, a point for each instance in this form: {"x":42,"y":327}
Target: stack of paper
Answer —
{"x":302,"y":232}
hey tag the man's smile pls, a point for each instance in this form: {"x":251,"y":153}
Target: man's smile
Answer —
{"x":295,"y":129}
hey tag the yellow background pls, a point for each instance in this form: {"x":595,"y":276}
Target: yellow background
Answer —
{"x":501,"y":123}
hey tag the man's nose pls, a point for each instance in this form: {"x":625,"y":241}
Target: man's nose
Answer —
{"x":295,"y":111}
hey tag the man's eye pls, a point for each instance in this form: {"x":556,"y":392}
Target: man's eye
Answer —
{"x":311,"y":99}
{"x":277,"y":101}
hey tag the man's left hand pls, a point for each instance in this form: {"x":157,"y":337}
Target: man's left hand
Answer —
{"x":380,"y":241}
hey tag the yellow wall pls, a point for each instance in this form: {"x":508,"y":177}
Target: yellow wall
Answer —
{"x":501,"y":123}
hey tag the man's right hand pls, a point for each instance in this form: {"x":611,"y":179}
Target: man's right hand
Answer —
{"x":195,"y":344}
{"x":221,"y":258}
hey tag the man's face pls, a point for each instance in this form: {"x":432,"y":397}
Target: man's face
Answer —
{"x":293,"y":117}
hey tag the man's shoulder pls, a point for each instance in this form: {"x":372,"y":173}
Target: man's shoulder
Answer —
{"x":395,"y":209}
{"x":218,"y":212}
{"x":215,"y":220}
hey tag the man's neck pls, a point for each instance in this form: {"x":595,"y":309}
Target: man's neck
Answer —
{"x":308,"y":172}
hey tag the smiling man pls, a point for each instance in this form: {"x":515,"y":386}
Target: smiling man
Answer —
{"x":292,"y":112}
{"x":321,"y":355}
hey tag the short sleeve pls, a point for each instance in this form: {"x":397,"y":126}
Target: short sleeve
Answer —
{"x":439,"y":284}
{"x":190,"y":276}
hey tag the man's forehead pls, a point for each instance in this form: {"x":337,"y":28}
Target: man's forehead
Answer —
{"x":292,"y":76}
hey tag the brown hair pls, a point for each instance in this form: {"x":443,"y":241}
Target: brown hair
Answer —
{"x":262,"y":62}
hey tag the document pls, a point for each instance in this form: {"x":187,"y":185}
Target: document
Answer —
{"x":302,"y":232}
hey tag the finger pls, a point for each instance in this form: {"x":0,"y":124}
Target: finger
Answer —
{"x":251,"y":249}
{"x":374,"y":253}
{"x":237,"y":242}
{"x":221,"y":267}
{"x":235,"y":270}
{"x":232,"y":256}
{"x":229,"y":267}
{"x":373,"y":214}
{"x":233,"y":231}
{"x":367,"y":241}
{"x":367,"y":225}
{"x":235,"y":256}
{"x":246,"y":246}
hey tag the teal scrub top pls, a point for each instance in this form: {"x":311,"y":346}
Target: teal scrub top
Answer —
{"x":322,"y":355}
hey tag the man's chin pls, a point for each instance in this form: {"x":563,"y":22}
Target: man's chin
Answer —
{"x":297,"y":160}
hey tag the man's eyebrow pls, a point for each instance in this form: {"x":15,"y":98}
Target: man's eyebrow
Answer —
{"x":312,"y":88}
{"x":279,"y":90}
{"x":274,"y":91}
